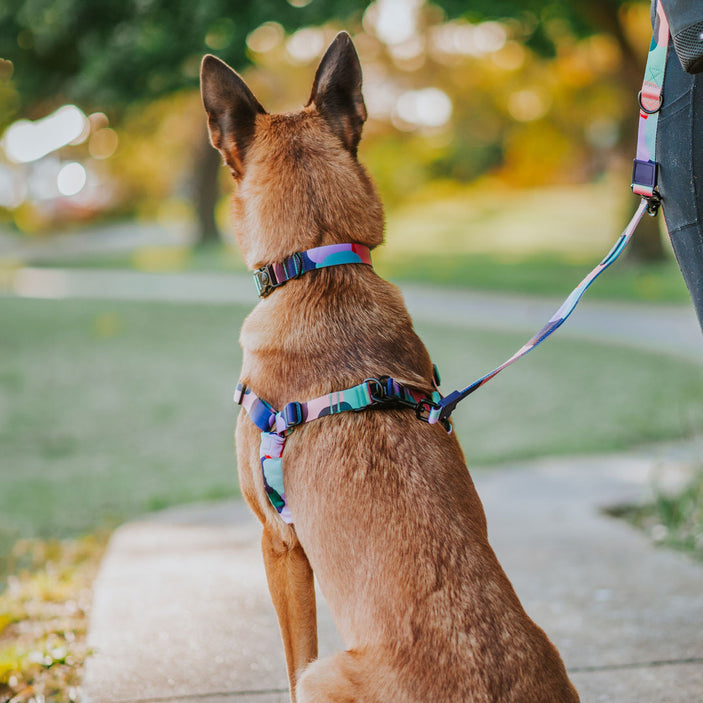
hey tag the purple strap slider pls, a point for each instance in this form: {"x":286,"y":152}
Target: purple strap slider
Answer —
{"x":644,"y":177}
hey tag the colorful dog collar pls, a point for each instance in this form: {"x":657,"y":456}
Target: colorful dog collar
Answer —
{"x":271,"y":276}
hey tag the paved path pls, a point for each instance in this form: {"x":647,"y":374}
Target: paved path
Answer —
{"x":672,"y":329}
{"x":182,"y":614}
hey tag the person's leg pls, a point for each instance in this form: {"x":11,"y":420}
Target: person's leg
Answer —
{"x":680,"y":156}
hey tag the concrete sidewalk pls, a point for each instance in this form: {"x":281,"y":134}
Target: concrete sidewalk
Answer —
{"x":182,"y":613}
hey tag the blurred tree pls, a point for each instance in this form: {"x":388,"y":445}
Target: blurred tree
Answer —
{"x":114,"y":54}
{"x":544,"y":22}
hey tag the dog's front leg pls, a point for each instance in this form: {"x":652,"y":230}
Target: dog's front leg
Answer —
{"x":290,"y":580}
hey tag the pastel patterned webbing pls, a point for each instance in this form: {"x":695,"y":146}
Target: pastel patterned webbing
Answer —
{"x":276,"y":426}
{"x":271,"y":276}
{"x":644,"y":175}
{"x":443,"y":409}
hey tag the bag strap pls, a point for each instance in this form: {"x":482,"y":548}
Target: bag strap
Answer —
{"x":650,"y":98}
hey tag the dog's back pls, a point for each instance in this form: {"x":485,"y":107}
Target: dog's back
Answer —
{"x":385,"y":511}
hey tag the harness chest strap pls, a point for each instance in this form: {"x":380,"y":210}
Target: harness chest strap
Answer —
{"x":372,"y":392}
{"x":276,"y":426}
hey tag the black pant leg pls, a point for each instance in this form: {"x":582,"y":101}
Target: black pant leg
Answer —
{"x":680,"y":155}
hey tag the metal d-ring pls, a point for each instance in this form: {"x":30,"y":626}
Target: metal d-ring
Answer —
{"x":644,"y":109}
{"x":375,"y":388}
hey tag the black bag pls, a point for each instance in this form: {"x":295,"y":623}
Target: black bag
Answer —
{"x":686,"y":23}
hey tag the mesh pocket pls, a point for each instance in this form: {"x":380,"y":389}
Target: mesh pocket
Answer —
{"x":689,"y":47}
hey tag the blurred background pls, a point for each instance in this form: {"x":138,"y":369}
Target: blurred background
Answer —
{"x":500,"y":134}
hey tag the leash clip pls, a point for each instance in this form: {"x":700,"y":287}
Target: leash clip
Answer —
{"x":653,"y":204}
{"x":426,"y":408}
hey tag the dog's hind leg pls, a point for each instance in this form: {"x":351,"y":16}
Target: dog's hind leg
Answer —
{"x":291,"y":584}
{"x":351,"y":677}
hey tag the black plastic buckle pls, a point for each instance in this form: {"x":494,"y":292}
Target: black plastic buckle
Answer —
{"x":424,"y":408}
{"x":265,"y":280}
{"x":293,"y":414}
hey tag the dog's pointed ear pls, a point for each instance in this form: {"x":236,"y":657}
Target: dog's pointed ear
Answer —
{"x":336,"y":91}
{"x":231,"y":111}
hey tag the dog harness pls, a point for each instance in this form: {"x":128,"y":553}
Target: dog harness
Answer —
{"x":276,"y":426}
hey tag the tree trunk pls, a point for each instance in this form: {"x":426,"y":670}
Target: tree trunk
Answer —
{"x":206,"y":190}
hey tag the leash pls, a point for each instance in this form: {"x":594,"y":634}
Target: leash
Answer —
{"x":644,"y":184}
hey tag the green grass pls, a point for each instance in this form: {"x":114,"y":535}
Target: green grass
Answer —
{"x":206,"y":258}
{"x":672,"y":520}
{"x":110,"y":409}
{"x":540,"y":275}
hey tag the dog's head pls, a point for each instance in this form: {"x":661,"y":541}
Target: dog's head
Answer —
{"x":299,"y":182}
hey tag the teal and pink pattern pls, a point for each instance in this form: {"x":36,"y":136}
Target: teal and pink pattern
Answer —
{"x":644,"y":173}
{"x":276,"y":426}
{"x":271,"y":276}
{"x":271,"y":455}
{"x":441,"y":410}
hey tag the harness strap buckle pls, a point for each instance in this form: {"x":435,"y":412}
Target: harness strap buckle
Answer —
{"x":377,"y":392}
{"x":265,"y":280}
{"x":292,"y":414}
{"x":425,"y":408}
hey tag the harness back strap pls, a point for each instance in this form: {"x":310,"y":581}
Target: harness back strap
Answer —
{"x":271,"y":276}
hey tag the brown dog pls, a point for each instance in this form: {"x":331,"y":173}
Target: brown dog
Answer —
{"x":386,"y":514}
